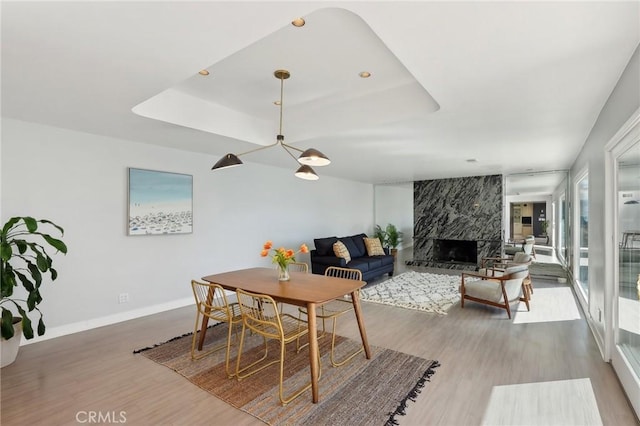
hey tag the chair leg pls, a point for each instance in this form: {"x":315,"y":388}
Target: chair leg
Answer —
{"x":195,"y":335}
{"x":239,"y":370}
{"x":194,"y":340}
{"x":285,"y":400}
{"x":333,"y":345}
{"x":226,"y":364}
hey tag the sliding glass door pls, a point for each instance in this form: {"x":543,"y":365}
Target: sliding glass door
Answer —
{"x":627,"y":328}
{"x":623,"y":223}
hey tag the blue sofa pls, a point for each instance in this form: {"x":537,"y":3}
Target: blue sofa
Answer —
{"x":371,"y":266}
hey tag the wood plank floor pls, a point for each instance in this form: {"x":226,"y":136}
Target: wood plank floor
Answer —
{"x":59,"y":381}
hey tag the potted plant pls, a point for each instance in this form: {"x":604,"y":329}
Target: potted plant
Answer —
{"x":23,"y":262}
{"x":381,"y":234}
{"x":394,"y":237}
{"x":544,"y":224}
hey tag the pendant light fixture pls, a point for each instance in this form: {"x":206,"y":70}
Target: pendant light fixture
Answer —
{"x":309,"y":157}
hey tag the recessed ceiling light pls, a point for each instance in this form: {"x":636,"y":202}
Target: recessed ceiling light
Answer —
{"x":298,"y":22}
{"x":203,"y":72}
{"x":472,"y":160}
{"x":365,"y":74}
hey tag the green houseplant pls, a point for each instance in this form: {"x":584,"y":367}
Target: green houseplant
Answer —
{"x":394,"y":237}
{"x":24,"y":261}
{"x":545,"y":225}
{"x":381,"y":234}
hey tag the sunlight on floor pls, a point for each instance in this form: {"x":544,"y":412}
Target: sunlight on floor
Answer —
{"x":563,"y":402}
{"x":548,"y":304}
{"x":629,"y":315}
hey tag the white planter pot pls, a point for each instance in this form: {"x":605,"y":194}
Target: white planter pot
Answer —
{"x":9,"y":348}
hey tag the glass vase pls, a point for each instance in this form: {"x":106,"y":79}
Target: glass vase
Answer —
{"x":283,"y":272}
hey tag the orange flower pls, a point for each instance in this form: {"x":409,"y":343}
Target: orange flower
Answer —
{"x":282,"y":256}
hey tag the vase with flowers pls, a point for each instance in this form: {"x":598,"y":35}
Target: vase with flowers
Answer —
{"x":282,"y":257}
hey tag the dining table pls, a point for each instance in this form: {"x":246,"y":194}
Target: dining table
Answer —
{"x":302,"y":289}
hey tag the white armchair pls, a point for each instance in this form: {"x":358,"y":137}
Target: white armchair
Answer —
{"x":499,"y":288}
{"x":526,"y":247}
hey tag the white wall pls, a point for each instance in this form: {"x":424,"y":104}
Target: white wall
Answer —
{"x":394,"y":204}
{"x":79,"y":181}
{"x":623,"y":101}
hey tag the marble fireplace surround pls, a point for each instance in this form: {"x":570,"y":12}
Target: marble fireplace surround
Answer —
{"x":467,"y":210}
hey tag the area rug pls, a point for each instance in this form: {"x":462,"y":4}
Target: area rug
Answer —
{"x":416,"y":290}
{"x":374,"y":391}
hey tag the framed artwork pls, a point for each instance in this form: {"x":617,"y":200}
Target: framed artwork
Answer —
{"x":160,"y":202}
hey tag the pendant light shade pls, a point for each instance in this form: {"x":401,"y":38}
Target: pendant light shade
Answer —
{"x":229,"y":160}
{"x":305,"y":172}
{"x":309,"y":157}
{"x":313,"y":157}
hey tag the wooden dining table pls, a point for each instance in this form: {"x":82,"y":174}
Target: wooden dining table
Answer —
{"x":303,"y":289}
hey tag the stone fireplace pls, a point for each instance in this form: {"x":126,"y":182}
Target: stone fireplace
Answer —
{"x":457,"y":222}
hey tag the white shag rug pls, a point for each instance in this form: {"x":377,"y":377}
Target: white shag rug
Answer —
{"x":415,"y":290}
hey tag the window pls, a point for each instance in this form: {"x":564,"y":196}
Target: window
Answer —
{"x":581,"y":264}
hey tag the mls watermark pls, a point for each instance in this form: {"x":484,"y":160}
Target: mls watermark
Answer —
{"x":94,"y":417}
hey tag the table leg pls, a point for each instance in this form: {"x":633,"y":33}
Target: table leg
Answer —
{"x":313,"y":350}
{"x":355,"y":297}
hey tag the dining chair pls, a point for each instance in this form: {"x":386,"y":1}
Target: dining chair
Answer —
{"x":211,"y":302}
{"x":495,"y":288}
{"x":298,"y":267}
{"x":334,"y":309}
{"x":261,"y":316}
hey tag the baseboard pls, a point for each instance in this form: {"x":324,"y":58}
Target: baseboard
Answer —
{"x":77,"y":327}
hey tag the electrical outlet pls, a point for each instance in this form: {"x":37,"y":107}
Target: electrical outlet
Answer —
{"x":123,"y":298}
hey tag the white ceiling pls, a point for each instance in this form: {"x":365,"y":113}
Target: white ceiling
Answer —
{"x":515,"y":85}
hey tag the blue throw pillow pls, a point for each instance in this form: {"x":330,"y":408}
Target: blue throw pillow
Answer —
{"x":350,"y":245}
{"x":324,"y":246}
{"x":358,"y":240}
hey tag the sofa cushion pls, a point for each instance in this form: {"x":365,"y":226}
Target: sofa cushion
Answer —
{"x":350,"y":245}
{"x":374,"y":247}
{"x":374,"y":263}
{"x":324,"y":246}
{"x":386,"y":259}
{"x":358,"y":241}
{"x":341,"y":250}
{"x":360,"y":263}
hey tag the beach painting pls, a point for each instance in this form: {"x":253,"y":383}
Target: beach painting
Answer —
{"x":160,"y":202}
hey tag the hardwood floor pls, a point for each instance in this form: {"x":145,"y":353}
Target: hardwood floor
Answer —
{"x":60,"y":381}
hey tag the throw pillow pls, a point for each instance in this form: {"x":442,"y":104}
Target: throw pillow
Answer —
{"x":358,"y":242}
{"x":351,"y":246}
{"x":324,"y":246}
{"x":340,"y":250}
{"x":374,"y":247}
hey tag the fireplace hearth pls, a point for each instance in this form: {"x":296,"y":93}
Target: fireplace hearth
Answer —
{"x":455,"y":251}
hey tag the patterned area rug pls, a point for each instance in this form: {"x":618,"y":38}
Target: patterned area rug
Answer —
{"x":374,"y":391}
{"x":415,"y":290}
